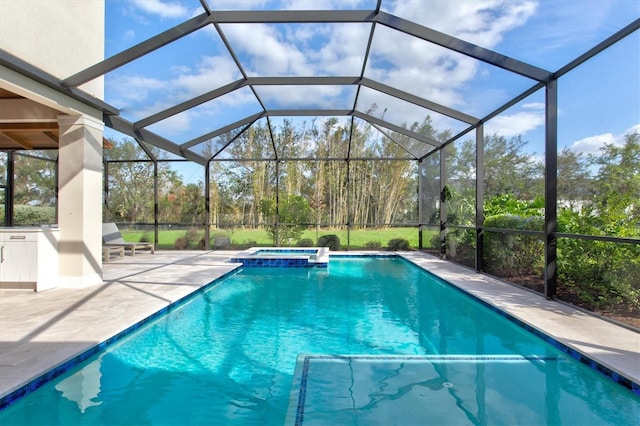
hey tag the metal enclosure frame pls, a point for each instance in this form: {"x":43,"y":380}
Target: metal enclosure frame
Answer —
{"x":139,"y":131}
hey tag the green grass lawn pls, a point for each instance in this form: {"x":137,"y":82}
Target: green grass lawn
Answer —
{"x":242,"y":238}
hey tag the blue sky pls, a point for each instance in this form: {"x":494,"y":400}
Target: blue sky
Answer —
{"x":599,"y":102}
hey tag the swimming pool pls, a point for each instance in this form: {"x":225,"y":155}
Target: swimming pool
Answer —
{"x":230,"y":356}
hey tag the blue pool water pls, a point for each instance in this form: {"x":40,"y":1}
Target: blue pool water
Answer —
{"x":229,"y":356}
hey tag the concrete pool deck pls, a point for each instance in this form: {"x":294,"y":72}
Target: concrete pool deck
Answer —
{"x":39,"y":331}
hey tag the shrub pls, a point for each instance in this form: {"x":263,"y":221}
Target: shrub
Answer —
{"x":459,"y":244}
{"x":221,"y":242}
{"x":398,"y":244}
{"x":508,"y":254}
{"x":332,"y":241}
{"x":191,"y":239}
{"x":32,"y":215}
{"x":192,"y":235}
{"x":305,"y":242}
{"x":181,"y":243}
{"x":145,"y":238}
{"x":247,"y":244}
{"x":293,"y":210}
{"x":372,"y":245}
{"x":602,"y":274}
{"x":435,"y":240}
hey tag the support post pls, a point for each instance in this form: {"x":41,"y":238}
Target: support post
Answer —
{"x":8,"y":200}
{"x":207,"y":206}
{"x":443,"y":204}
{"x":105,"y":187}
{"x":79,"y":206}
{"x":551,"y":189}
{"x":419,"y":204}
{"x":156,"y":208}
{"x":479,"y":197}
{"x":349,"y":202}
{"x":276,"y":234}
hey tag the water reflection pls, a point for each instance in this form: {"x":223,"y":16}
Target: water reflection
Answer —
{"x":478,"y":390}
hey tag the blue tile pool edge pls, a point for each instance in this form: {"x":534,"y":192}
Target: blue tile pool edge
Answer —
{"x":69,"y":364}
{"x":573,"y":353}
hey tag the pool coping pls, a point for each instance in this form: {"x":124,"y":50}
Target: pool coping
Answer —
{"x":580,"y":335}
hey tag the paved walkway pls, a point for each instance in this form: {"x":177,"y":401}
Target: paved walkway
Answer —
{"x":41,"y":330}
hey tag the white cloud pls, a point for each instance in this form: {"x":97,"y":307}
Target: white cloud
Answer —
{"x":434,"y":72}
{"x":436,"y":85}
{"x":237,"y":4}
{"x":483,"y":22}
{"x":529,"y":118}
{"x":327,"y":4}
{"x":128,"y":35}
{"x":270,"y":52}
{"x":633,"y":129}
{"x":399,"y":60}
{"x":212,"y":72}
{"x":399,"y":112}
{"x":164,"y":9}
{"x":307,"y":97}
{"x":124,"y":89}
{"x":173,"y":125}
{"x":142,"y":96}
{"x":534,"y":105}
{"x":343,"y":53}
{"x":559,"y":24}
{"x":592,"y":144}
{"x":291,"y":4}
{"x":299,"y":50}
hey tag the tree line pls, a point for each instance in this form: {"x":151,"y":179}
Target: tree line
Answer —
{"x":319,"y":173}
{"x":358,"y":192}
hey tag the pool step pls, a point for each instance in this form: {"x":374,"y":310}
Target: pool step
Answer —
{"x":283,"y":257}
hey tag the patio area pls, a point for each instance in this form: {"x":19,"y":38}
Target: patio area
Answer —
{"x":39,"y":331}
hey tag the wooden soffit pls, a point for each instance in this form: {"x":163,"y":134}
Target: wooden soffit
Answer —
{"x":28,"y":125}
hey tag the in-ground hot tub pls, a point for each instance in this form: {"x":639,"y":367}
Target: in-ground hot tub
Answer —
{"x":284,"y":257}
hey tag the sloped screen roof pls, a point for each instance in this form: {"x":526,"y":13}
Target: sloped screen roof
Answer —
{"x":189,"y":76}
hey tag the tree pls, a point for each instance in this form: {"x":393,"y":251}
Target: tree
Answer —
{"x":251,"y":180}
{"x":130,"y":197}
{"x":617,"y":183}
{"x":574,"y":178}
{"x":193,"y":207}
{"x":131,"y":184}
{"x":509,"y":169}
{"x":293,"y":214}
{"x":35,"y":178}
{"x":605,"y":274}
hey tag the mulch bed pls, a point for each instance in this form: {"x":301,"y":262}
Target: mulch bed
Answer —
{"x":623,"y":314}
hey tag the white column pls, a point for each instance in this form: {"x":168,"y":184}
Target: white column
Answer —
{"x":80,"y":200}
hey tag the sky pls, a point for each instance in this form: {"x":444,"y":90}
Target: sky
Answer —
{"x":598,"y":102}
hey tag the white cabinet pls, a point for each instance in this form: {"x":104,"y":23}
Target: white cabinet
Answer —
{"x":29,"y":258}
